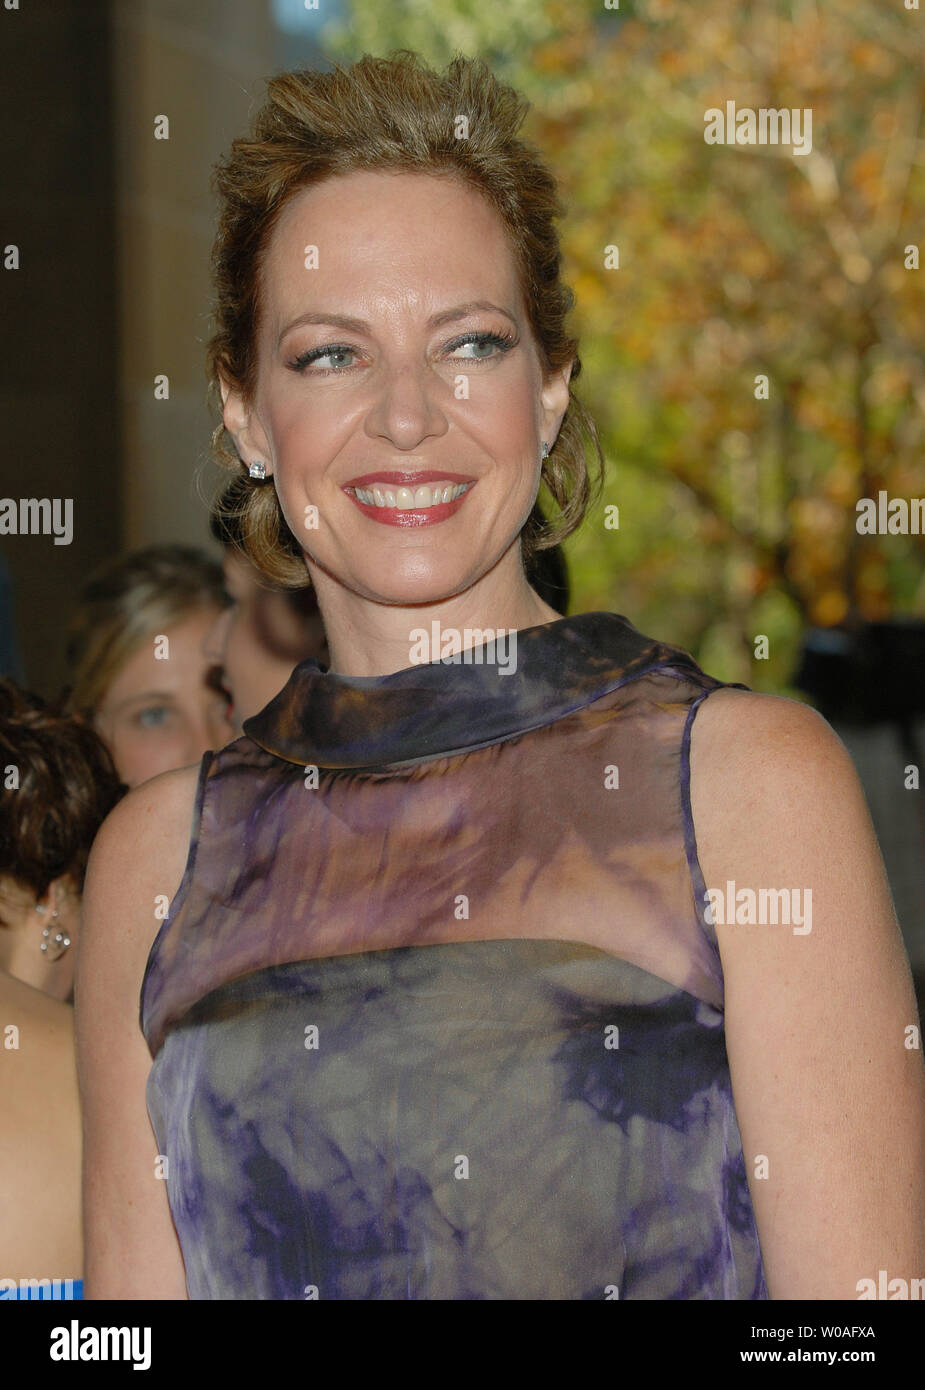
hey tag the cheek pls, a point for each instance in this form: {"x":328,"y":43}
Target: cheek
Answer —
{"x":138,"y":756}
{"x":304,"y":446}
{"x":506,"y":427}
{"x":216,"y":638}
{"x":241,"y":646}
{"x":304,"y":427}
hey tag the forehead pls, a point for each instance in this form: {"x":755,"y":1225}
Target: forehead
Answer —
{"x":144,"y":669}
{"x":395,"y":238}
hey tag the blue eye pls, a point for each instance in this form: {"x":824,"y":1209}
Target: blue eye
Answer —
{"x":154,"y":717}
{"x":315,"y":355}
{"x":500,"y":342}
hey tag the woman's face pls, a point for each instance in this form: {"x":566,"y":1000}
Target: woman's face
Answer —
{"x":161,"y":714}
{"x":258,"y":639}
{"x":402,"y":359}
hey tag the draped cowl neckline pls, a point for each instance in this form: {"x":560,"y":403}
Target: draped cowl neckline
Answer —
{"x":455,"y":705}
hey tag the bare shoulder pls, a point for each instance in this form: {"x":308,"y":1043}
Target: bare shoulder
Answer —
{"x":776,"y":799}
{"x":771,"y":773}
{"x":154,"y":819}
{"x":21,"y":1001}
{"x":739,"y":732}
{"x":138,"y":856}
{"x":820,"y":1020}
{"x":39,"y":1030}
{"x":39,"y":1134}
{"x":43,"y":1042}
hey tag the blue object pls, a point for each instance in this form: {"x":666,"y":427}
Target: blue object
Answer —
{"x":47,"y":1290}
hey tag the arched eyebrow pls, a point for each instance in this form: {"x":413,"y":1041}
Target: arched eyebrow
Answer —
{"x":354,"y":325}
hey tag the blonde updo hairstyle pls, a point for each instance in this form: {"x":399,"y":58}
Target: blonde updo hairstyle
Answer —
{"x":390,"y":113}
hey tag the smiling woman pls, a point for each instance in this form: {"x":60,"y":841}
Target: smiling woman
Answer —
{"x":437,"y":1011}
{"x":485,"y":401}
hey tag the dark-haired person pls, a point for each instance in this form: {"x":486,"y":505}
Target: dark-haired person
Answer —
{"x":57,"y":784}
{"x":444,"y":1006}
{"x":139,"y":673}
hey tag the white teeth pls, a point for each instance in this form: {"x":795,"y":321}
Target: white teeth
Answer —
{"x":404,"y":499}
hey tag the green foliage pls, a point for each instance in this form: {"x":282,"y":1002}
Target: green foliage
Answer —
{"x":737,"y":514}
{"x":439,"y":31}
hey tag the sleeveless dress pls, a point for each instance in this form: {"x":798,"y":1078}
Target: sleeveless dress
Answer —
{"x":436,"y":1012}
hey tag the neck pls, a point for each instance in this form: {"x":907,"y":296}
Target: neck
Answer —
{"x":368,"y":638}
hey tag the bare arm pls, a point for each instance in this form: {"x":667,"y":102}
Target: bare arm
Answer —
{"x":826,"y":1067}
{"x":39,"y":1138}
{"x":130,"y":1245}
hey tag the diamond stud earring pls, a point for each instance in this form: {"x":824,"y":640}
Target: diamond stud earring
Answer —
{"x":257,"y":470}
{"x":545,"y":453}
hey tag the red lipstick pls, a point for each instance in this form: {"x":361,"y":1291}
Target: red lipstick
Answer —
{"x":407,"y":516}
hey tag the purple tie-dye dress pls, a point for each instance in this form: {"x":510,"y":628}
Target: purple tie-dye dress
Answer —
{"x":436,"y":1013}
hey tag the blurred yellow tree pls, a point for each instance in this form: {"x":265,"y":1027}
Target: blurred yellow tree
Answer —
{"x":750,"y":316}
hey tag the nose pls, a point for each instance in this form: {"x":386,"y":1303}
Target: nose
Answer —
{"x":407,"y":409}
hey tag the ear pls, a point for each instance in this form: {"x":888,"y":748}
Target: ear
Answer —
{"x":242,"y":424}
{"x":555,"y":400}
{"x":57,"y":894}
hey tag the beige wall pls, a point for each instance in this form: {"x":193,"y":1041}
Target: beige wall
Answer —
{"x":203,"y":66}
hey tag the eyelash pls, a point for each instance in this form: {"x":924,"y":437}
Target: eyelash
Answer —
{"x":149,"y":709}
{"x":504,"y":341}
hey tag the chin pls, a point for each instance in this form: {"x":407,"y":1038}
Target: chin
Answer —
{"x":412,"y":584}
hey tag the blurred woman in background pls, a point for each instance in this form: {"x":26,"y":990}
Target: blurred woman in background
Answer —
{"x":58,"y":783}
{"x":139,"y":673}
{"x":265,"y":630}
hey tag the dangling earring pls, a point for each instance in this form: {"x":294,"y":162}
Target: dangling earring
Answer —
{"x":54,"y":946}
{"x":545,"y":453}
{"x":257,"y":470}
